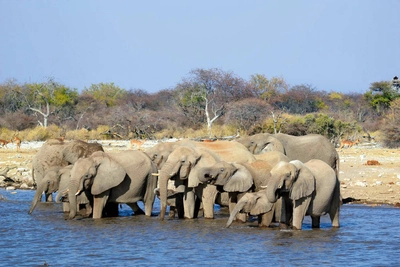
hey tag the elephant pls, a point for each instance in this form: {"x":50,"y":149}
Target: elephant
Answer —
{"x":55,"y":152}
{"x":310,"y":188}
{"x":160,"y":152}
{"x":84,"y":200}
{"x":303,"y":148}
{"x":237,"y":179}
{"x":256,"y":203}
{"x":114,"y":177}
{"x":185,"y":162}
{"x":50,"y":183}
{"x":272,"y":157}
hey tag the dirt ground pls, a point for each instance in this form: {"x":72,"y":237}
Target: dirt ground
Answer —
{"x":368,"y":174}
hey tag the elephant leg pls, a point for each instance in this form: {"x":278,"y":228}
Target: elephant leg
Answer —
{"x":111,"y":210}
{"x":65,"y":207}
{"x":334,"y":215}
{"x":189,"y":199}
{"x":299,"y":211}
{"x":233,"y":199}
{"x":208,"y":199}
{"x":286,"y":213}
{"x":265,"y":219}
{"x":88,"y":209}
{"x":99,"y":202}
{"x":49,"y":197}
{"x":136,"y":209}
{"x":315,"y":221}
{"x":179,"y":206}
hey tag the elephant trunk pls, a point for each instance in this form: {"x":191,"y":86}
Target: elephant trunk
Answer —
{"x":272,"y":190}
{"x":73,"y":189}
{"x":205,"y":175}
{"x":238,"y":207}
{"x":166,"y":173}
{"x":41,"y":187}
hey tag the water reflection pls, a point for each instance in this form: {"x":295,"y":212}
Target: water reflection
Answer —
{"x":368,"y":237}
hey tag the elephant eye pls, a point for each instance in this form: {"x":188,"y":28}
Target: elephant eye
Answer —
{"x":222,"y":170}
{"x":87,"y":176}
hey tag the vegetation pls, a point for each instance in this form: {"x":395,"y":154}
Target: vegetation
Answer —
{"x":206,"y":103}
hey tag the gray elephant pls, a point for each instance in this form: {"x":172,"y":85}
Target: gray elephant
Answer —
{"x":257,"y":203}
{"x":55,"y":152}
{"x":50,"y":183}
{"x":114,"y":177}
{"x":303,"y":148}
{"x":182,"y":166}
{"x":310,"y":188}
{"x":237,"y":179}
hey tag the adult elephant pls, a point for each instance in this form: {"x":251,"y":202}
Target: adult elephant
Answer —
{"x":115,"y":177}
{"x":303,"y":148}
{"x":55,"y":152}
{"x":310,"y":188}
{"x":50,"y":183}
{"x":182,"y":165}
{"x":239,"y":178}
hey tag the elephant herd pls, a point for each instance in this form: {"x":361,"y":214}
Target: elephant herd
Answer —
{"x":279,"y":178}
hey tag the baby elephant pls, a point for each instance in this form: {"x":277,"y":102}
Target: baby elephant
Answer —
{"x":50,"y":183}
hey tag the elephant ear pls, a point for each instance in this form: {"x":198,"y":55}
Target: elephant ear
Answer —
{"x":241,"y":180}
{"x":304,"y":184}
{"x":72,"y":154}
{"x":202,"y":158}
{"x":261,"y":205}
{"x":109,"y":174}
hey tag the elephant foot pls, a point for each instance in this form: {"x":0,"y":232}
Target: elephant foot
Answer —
{"x":283,"y":226}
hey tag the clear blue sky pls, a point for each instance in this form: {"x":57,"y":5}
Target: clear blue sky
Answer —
{"x":333,"y":45}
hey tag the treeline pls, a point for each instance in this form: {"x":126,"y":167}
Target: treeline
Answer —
{"x":208,"y":102}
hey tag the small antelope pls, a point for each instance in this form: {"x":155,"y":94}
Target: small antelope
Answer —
{"x":17,"y":142}
{"x":348,"y":143}
{"x":4,"y":143}
{"x":137,"y":143}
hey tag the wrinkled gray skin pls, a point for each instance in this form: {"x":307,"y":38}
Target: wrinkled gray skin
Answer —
{"x":85,"y":198}
{"x":303,"y":148}
{"x":227,"y":150}
{"x":50,"y":183}
{"x":182,"y":165}
{"x":114,"y":177}
{"x":311,"y":189}
{"x":59,"y":153}
{"x":257,"y":203}
{"x":237,"y":178}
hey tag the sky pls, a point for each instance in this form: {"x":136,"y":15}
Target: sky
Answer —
{"x":332,"y":45}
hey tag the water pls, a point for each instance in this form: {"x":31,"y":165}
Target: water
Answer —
{"x":369,"y":236}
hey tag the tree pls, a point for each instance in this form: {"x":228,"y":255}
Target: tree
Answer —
{"x":268,"y":89}
{"x":106,"y":93}
{"x":247,"y":113}
{"x":206,"y":92}
{"x":381,"y":94}
{"x":391,"y":128}
{"x":47,"y":98}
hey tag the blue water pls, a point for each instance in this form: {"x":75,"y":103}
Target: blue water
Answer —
{"x":369,"y":236}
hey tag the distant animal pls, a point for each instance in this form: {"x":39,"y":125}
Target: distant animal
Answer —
{"x":348,"y":143}
{"x":137,"y":143}
{"x":17,"y":142}
{"x":4,"y":143}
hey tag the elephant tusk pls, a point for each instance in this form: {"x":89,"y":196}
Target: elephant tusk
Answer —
{"x":77,"y":193}
{"x":264,"y":186}
{"x":156,"y":174}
